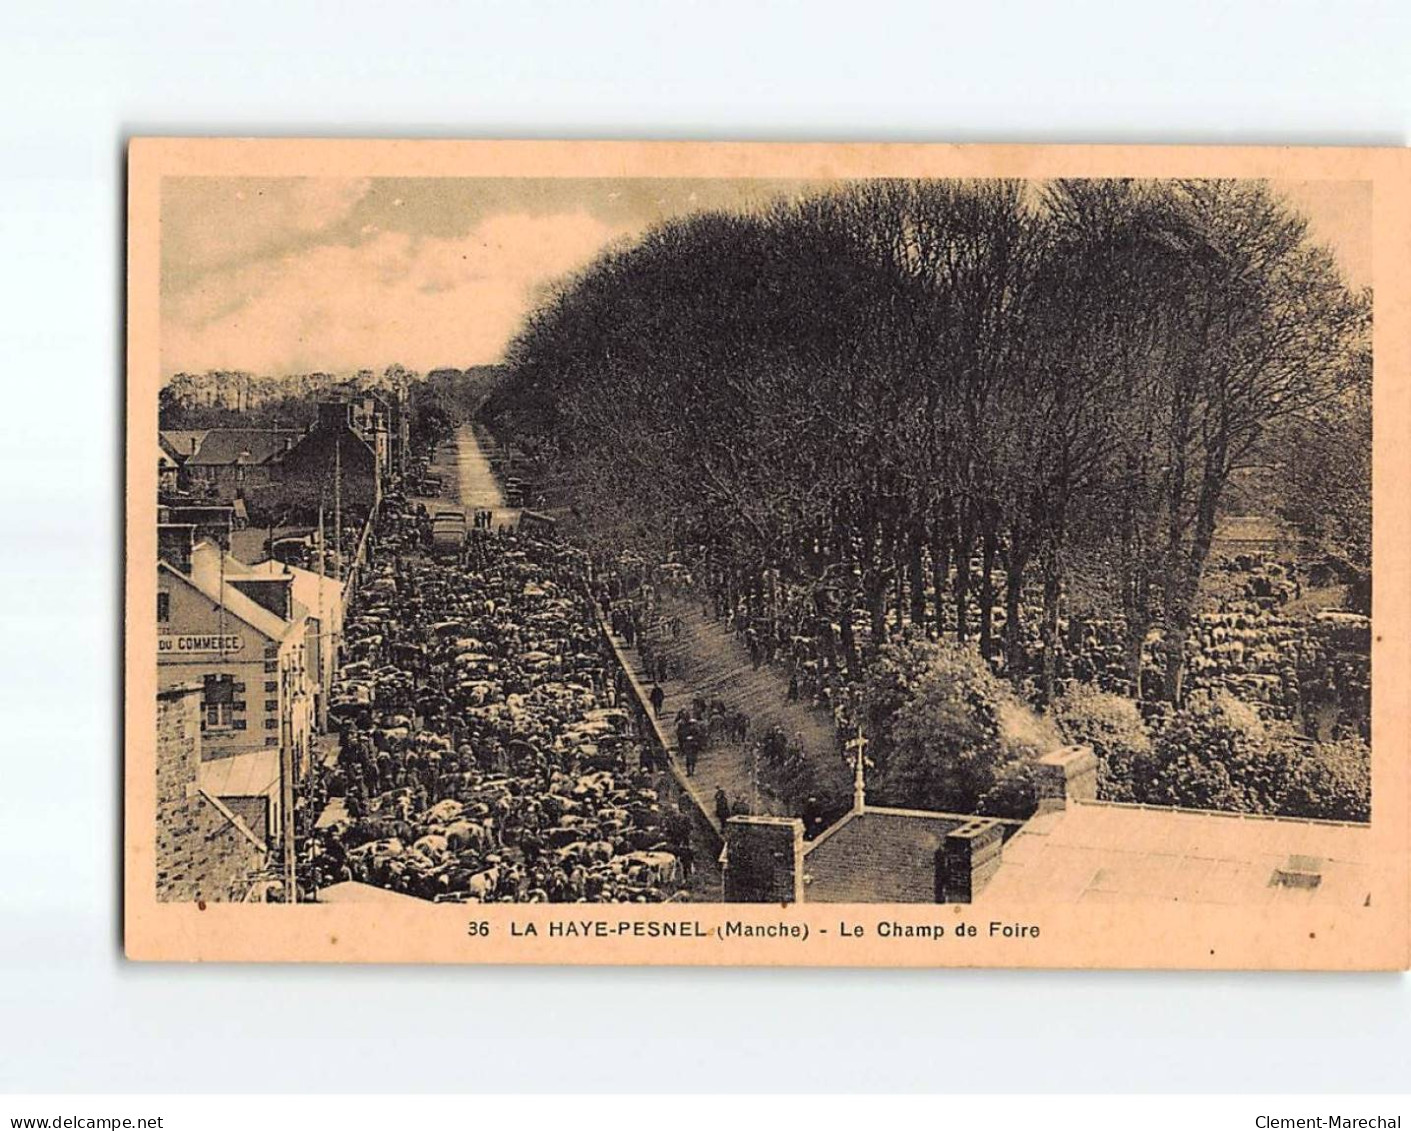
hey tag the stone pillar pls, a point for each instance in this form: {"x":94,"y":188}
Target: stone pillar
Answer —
{"x":763,"y":860}
{"x":967,"y":859}
{"x":1066,"y":774}
{"x":174,"y":544}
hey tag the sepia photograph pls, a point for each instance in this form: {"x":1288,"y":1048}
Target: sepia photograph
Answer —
{"x":959,"y":541}
{"x":828,"y":565}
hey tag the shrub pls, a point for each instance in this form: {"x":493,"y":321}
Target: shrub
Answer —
{"x":1110,"y":724}
{"x":1332,"y":781}
{"x":1214,"y":753}
{"x":890,"y":682}
{"x":1014,"y":793}
{"x":960,"y":731}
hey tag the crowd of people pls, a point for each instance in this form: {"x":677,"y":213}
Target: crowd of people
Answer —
{"x":490,"y":747}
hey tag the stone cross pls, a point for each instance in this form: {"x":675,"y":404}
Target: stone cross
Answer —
{"x":859,"y":787}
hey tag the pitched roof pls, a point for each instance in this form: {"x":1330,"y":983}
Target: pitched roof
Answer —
{"x":255,"y":774}
{"x":349,"y":435}
{"x":181,"y":442}
{"x":1100,"y":852}
{"x":222,"y":446}
{"x":878,"y":856}
{"x":312,"y":592}
{"x":236,"y":603}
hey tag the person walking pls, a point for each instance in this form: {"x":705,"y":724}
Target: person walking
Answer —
{"x":722,"y":806}
{"x":691,"y":748}
{"x":658,"y":697}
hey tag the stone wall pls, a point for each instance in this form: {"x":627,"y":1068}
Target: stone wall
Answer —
{"x":764,"y":860}
{"x":201,"y":854}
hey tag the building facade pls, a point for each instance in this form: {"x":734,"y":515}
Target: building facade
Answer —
{"x":244,"y":640}
{"x":332,"y":452}
{"x":204,"y":850}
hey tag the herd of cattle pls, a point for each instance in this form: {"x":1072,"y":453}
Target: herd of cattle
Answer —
{"x":1254,"y":637}
{"x":490,"y":747}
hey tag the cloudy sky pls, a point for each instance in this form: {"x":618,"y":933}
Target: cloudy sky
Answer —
{"x":298,"y":275}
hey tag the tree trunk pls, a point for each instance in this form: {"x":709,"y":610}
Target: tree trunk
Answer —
{"x":1013,"y":626}
{"x":1053,"y":589}
{"x":987,"y":593}
{"x":1183,"y":581}
{"x":1135,"y":578}
{"x":940,"y":572}
{"x":915,"y":574}
{"x":1134,"y":639}
{"x":849,"y":642}
{"x":899,"y":569}
{"x":960,"y":593}
{"x":874,"y":582}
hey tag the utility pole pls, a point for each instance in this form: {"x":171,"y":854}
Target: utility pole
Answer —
{"x":338,"y":507}
{"x":325,"y":636}
{"x":286,"y":789}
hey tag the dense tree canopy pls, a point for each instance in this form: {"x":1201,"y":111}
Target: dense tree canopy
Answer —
{"x":907,"y":410}
{"x":884,"y":391}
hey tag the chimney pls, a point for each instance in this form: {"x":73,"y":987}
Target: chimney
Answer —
{"x":1066,"y":774}
{"x":967,"y":858}
{"x":333,"y":415}
{"x":273,"y":593}
{"x":763,"y":860}
{"x":175,"y":541}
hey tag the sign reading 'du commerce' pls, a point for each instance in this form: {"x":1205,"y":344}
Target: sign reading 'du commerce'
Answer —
{"x":186,"y":645}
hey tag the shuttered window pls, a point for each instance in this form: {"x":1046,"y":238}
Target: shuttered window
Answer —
{"x":218,"y":701}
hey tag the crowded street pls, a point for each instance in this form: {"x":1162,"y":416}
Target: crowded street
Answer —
{"x":490,"y":746}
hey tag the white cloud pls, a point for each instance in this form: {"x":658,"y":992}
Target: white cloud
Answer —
{"x":392,"y":298}
{"x":219,"y":224}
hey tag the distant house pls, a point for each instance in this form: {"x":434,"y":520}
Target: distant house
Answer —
{"x":322,"y":599}
{"x":243,"y":637}
{"x":167,"y":471}
{"x":178,"y":445}
{"x":231,"y":463}
{"x":331,"y":449}
{"x":181,"y":443}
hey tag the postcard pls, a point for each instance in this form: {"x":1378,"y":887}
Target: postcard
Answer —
{"x":767,"y":554}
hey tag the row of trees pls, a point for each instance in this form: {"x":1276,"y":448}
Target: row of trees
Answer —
{"x":437,"y":402}
{"x":922,"y":401}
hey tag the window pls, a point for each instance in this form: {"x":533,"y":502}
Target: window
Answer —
{"x":218,"y":701}
{"x":271,"y":704}
{"x":163,"y":607}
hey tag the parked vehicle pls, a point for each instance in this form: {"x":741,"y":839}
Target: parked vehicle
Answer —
{"x":448,"y":532}
{"x":538,"y":525}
